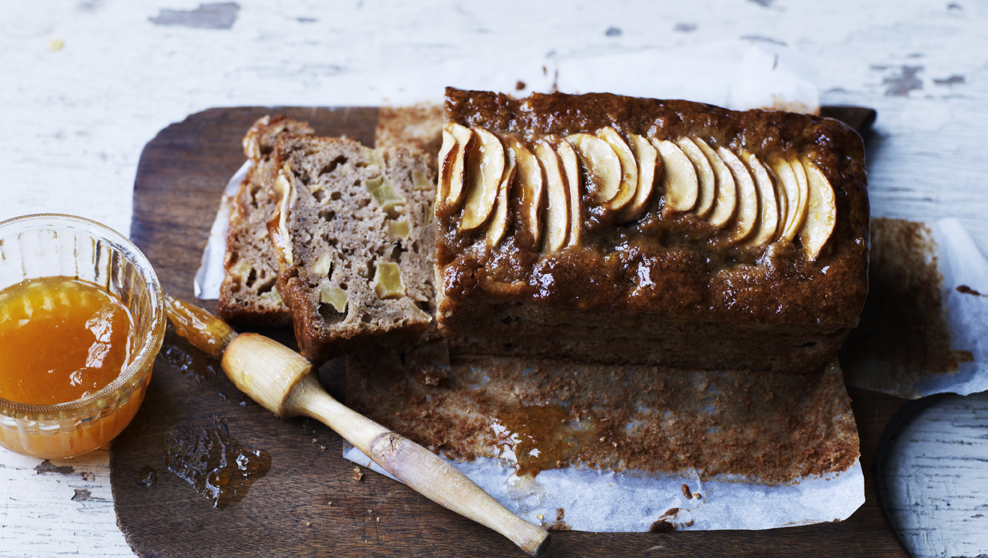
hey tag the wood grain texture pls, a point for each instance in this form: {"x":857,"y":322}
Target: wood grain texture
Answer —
{"x":288,"y":511}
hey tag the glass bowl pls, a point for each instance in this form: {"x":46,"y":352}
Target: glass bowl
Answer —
{"x":50,"y":245}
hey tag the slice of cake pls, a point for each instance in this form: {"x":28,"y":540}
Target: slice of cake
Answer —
{"x":355,"y":241}
{"x":612,"y":229}
{"x":247,"y":293}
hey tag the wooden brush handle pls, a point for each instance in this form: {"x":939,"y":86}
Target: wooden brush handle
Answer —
{"x":417,"y":467}
{"x":281,"y":380}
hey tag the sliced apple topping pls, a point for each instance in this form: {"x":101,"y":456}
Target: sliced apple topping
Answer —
{"x":485,"y":168}
{"x":781,"y":200}
{"x":499,"y":219}
{"x":602,"y":164}
{"x":803,"y":201}
{"x":787,"y":178}
{"x":705,"y":175}
{"x":726,"y":200}
{"x":447,"y":154}
{"x":821,"y":211}
{"x":768,"y":215}
{"x":571,"y":173}
{"x":629,"y":170}
{"x":646,"y":157}
{"x":464,"y":145}
{"x":679,"y":179}
{"x":556,"y":222}
{"x":527,"y":193}
{"x":747,"y":213}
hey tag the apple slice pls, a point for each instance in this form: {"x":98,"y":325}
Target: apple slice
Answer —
{"x":787,"y":178}
{"x":821,"y":211}
{"x":629,"y":171}
{"x":678,"y":178}
{"x":726,"y":200}
{"x":447,"y":153}
{"x":571,"y":173}
{"x":485,"y":168}
{"x":803,"y":201}
{"x":556,"y":222}
{"x":705,"y":174}
{"x":768,"y":205}
{"x":747,"y":195}
{"x":499,"y":218}
{"x":527,"y":193}
{"x":647,"y":157}
{"x":465,"y":141}
{"x":782,"y":200}
{"x":601,"y":163}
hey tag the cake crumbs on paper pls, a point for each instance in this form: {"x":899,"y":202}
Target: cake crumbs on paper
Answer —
{"x":357,"y":475}
{"x":686,"y":492}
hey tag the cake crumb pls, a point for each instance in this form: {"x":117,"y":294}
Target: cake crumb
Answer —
{"x":686,"y":492}
{"x":357,"y":475}
{"x":308,"y":524}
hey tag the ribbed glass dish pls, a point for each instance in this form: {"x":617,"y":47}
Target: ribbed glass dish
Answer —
{"x":50,"y":245}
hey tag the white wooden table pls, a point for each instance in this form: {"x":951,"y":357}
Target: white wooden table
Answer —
{"x":84,"y":84}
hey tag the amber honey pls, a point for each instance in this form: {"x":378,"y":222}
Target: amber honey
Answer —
{"x":61,"y":339}
{"x":76,"y":353}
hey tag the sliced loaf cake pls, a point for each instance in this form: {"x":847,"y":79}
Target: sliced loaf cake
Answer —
{"x":355,"y":243}
{"x":247,"y":293}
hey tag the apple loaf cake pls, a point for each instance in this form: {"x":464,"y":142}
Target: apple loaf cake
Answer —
{"x":247,"y":294}
{"x":623,"y":230}
{"x":354,"y":239}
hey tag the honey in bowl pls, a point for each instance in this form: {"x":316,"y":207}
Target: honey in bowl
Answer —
{"x":81,"y":320}
{"x":61,"y":339}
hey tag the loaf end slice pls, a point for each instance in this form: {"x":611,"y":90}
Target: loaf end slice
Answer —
{"x":247,"y":294}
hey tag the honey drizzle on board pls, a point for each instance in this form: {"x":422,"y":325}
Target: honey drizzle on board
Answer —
{"x":61,"y":339}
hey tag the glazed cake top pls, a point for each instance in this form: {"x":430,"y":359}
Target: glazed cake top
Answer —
{"x":692,"y":247}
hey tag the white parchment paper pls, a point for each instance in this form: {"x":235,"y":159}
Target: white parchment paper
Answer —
{"x":607,"y":502}
{"x":964,"y":273}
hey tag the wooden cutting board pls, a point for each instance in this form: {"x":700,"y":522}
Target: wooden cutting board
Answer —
{"x":309,"y":503}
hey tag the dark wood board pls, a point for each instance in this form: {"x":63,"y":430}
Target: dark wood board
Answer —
{"x":308,"y":504}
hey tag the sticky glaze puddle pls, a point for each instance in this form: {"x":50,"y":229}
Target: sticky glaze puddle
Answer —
{"x":217,"y":466}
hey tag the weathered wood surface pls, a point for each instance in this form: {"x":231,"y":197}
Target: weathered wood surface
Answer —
{"x":78,"y":116}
